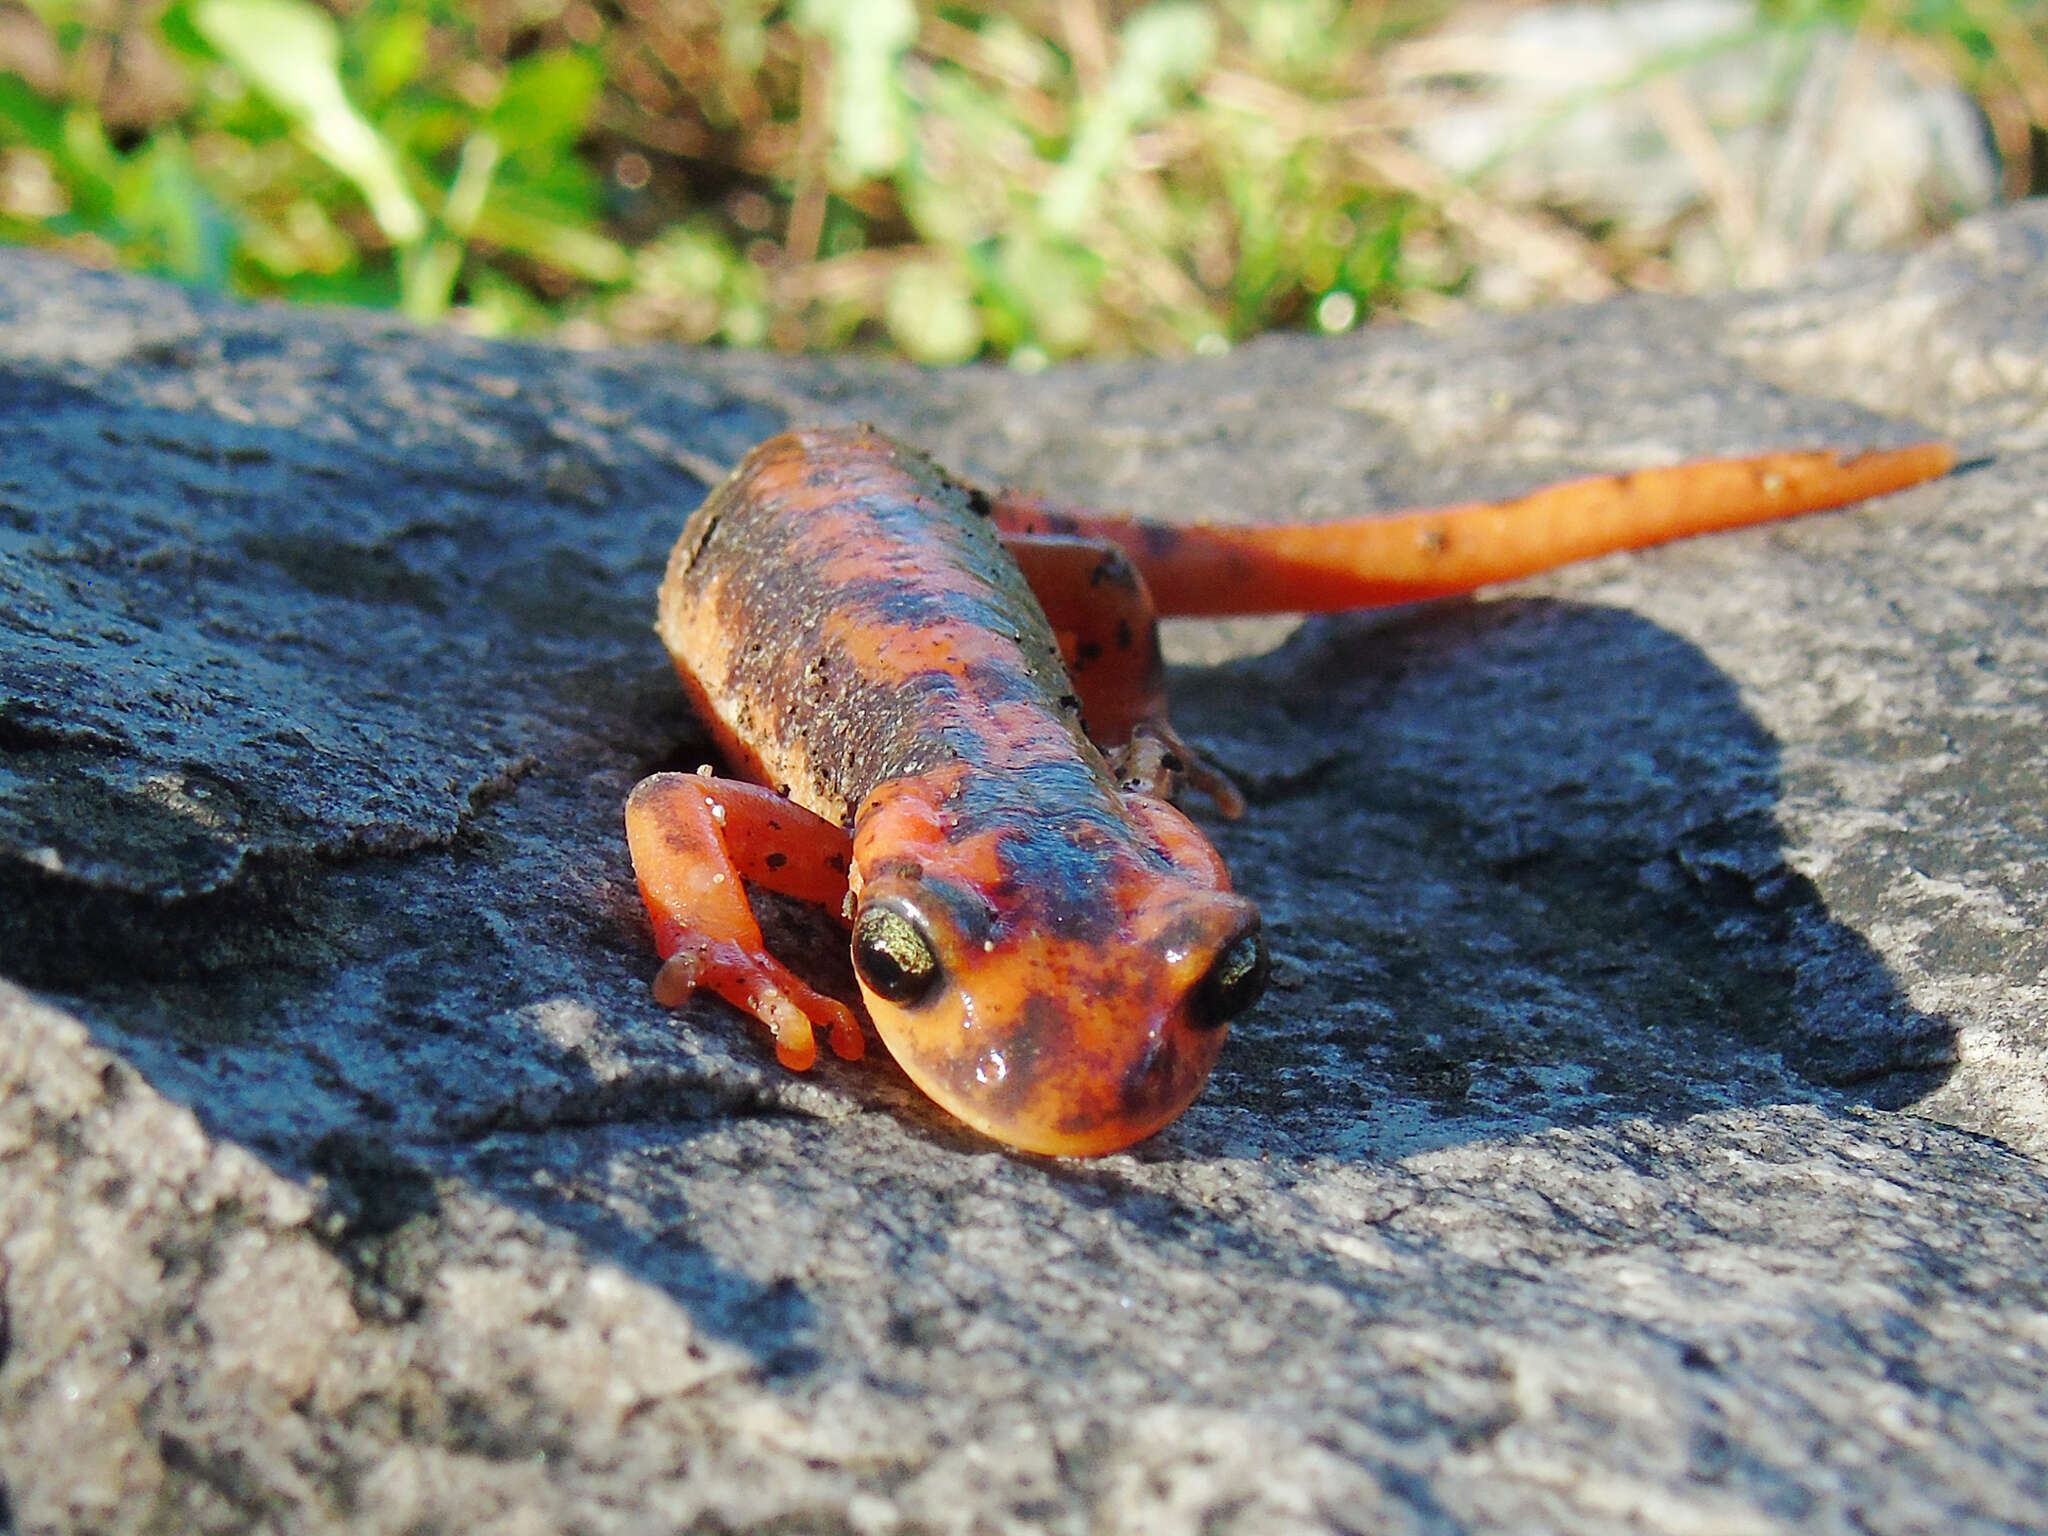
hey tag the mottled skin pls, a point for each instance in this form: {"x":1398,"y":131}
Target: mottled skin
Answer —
{"x":871,"y":640}
{"x":848,"y":620}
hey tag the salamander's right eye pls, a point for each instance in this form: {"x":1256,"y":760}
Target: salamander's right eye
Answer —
{"x":1236,"y":980}
{"x":894,"y":953}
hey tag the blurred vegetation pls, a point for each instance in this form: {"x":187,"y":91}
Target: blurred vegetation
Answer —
{"x":1033,"y":180}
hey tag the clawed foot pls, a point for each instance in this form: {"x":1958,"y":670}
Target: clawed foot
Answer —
{"x":1156,"y":762}
{"x":761,"y":986}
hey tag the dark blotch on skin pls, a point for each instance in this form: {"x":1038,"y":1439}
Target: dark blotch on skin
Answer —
{"x":1185,"y":932}
{"x":900,"y":599}
{"x":1042,"y":1032}
{"x":1041,"y":795}
{"x":1160,"y":540}
{"x":997,"y":684}
{"x":965,"y":910}
{"x":896,"y":869}
{"x":1114,"y":570}
{"x":1147,"y":1086}
{"x":1064,"y":884}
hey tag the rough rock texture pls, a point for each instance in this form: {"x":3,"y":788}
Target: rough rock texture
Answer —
{"x":1644,"y":1133}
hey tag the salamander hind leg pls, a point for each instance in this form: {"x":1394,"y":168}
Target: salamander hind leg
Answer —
{"x":694,"y":840}
{"x":1102,"y":613}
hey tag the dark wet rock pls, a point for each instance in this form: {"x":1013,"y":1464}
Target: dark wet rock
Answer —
{"x":1643,"y":1131}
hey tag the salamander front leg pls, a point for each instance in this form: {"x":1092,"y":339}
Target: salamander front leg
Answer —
{"x":694,"y":840}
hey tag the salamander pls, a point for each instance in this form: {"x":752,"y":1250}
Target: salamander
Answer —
{"x":945,"y":712}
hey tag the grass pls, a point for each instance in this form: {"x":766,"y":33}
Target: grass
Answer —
{"x":1032,"y":181}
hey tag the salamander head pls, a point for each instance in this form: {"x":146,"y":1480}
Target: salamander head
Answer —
{"x":1062,"y":984}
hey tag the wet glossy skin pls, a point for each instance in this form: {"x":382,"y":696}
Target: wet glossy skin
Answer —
{"x":1042,"y":941}
{"x":848,"y":619}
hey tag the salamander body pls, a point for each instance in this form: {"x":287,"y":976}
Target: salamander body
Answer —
{"x":1050,"y":955}
{"x":949,"y":717}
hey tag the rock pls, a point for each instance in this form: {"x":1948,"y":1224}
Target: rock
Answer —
{"x":1644,"y":1131}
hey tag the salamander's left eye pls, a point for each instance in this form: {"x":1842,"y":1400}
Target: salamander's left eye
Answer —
{"x":894,"y":953}
{"x":1236,"y":980}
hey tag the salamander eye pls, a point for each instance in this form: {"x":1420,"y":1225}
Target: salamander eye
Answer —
{"x":894,"y":953}
{"x":1235,"y":981}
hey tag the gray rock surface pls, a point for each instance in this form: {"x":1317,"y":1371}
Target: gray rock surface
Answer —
{"x":1644,"y":1133}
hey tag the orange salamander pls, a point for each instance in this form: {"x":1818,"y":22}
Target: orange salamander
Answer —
{"x":959,"y":703}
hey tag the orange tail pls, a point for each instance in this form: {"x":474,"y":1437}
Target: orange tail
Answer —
{"x":1403,"y":558}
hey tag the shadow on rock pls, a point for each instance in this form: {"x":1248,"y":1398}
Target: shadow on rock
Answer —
{"x":1522,"y":863}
